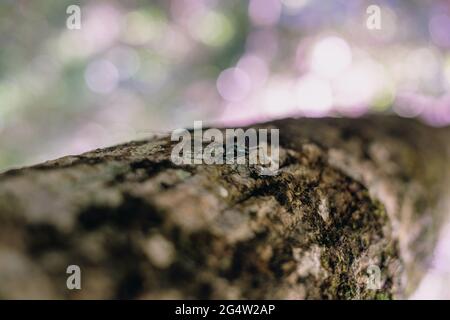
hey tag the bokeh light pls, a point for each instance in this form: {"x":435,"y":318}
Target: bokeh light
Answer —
{"x":330,"y":57}
{"x":267,"y":14}
{"x":233,"y":84}
{"x":102,"y":76}
{"x":314,"y":96}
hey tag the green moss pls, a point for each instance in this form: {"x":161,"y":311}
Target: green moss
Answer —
{"x":383,"y":296}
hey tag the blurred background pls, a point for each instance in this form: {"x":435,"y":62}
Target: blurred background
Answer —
{"x":137,"y":67}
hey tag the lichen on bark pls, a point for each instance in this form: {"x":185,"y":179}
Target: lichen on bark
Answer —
{"x":350,"y":194}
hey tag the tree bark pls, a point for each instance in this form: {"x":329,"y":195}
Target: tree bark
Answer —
{"x":350,"y":195}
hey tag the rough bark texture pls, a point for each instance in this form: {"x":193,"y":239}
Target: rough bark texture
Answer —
{"x":349,"y":194}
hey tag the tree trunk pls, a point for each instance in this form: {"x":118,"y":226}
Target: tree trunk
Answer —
{"x":353,"y":197}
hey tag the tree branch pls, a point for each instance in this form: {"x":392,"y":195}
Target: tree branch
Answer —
{"x":350,"y":195}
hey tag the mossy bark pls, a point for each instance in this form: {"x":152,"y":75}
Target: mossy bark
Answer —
{"x":350,"y":194}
